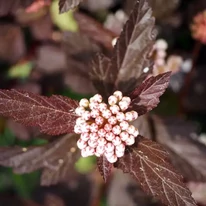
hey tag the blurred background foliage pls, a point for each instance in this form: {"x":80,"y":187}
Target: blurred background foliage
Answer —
{"x":48,"y":53}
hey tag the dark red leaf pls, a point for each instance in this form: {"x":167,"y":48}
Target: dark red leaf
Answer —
{"x":187,"y":154}
{"x":133,"y":46}
{"x":146,"y":96}
{"x":101,"y":75}
{"x":105,"y":167}
{"x":79,"y":57}
{"x":50,"y":59}
{"x":12,"y":45}
{"x":66,"y":5}
{"x":54,"y":115}
{"x":149,"y":164}
{"x":95,"y":30}
{"x":130,"y":53}
{"x":56,"y":158}
{"x":123,"y":190}
{"x":64,"y":168}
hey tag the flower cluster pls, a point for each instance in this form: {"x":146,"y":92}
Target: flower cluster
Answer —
{"x":160,"y":50}
{"x":161,"y":64}
{"x":199,"y":27}
{"x":105,"y":128}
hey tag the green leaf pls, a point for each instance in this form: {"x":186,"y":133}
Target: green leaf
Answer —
{"x":64,"y":21}
{"x":85,"y":165}
{"x":7,"y":138}
{"x":21,"y":185}
{"x":20,"y":70}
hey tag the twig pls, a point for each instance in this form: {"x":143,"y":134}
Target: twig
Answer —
{"x":189,"y":76}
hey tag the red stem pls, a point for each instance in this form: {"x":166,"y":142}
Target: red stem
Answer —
{"x":189,"y":76}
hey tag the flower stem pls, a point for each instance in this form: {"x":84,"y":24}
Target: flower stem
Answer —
{"x":189,"y":76}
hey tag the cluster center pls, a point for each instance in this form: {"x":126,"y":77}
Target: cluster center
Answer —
{"x":105,"y":128}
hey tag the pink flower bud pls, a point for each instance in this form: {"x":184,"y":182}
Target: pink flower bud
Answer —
{"x":124,"y":136}
{"x":85,"y":128}
{"x":107,"y":127}
{"x":80,"y":121}
{"x":97,"y":154}
{"x":97,"y":98}
{"x":120,"y":148}
{"x":108,"y":154}
{"x":77,"y":129}
{"x":86,"y":115}
{"x":126,"y":99}
{"x":118,"y":94}
{"x":119,"y":154}
{"x":109,"y":147}
{"x":92,"y":100}
{"x":159,"y":62}
{"x":116,"y":130}
{"x":110,"y":136}
{"x":94,"y":127}
{"x":136,"y":133}
{"x":84,"y":103}
{"x":129,"y":116}
{"x":161,"y":44}
{"x":116,"y":141}
{"x":84,"y":153}
{"x":95,"y":113}
{"x":120,"y":116}
{"x":99,"y":120}
{"x":135,"y":115}
{"x":131,"y":129}
{"x":100,"y":149}
{"x":112,"y":120}
{"x":102,"y":107}
{"x":81,"y":144}
{"x":92,"y":143}
{"x":94,"y":136}
{"x":130,"y":140}
{"x":85,"y":136}
{"x":112,"y":100}
{"x":90,"y":151}
{"x":112,"y":159}
{"x":93,"y":106}
{"x":161,"y":54}
{"x":124,"y":105}
{"x":79,"y":111}
{"x":106,"y":114}
{"x":102,"y":133}
{"x":102,"y":141}
{"x":124,"y":125}
{"x":114,"y":109}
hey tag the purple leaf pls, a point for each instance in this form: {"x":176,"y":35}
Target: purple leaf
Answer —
{"x":54,"y":115}
{"x":130,"y":53}
{"x":149,"y":164}
{"x":105,"y":167}
{"x":12,"y":47}
{"x":187,"y":153}
{"x":133,"y":46}
{"x":146,"y":96}
{"x":95,"y":30}
{"x":101,"y":75}
{"x":66,"y":5}
{"x":79,"y":57}
{"x":56,"y":158}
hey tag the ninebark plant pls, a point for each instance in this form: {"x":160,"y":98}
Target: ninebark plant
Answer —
{"x":122,"y":74}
